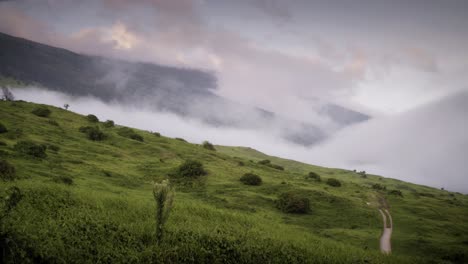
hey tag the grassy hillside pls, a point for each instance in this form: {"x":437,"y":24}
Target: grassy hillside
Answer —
{"x":91,"y":201}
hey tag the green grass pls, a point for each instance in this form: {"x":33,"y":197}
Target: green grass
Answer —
{"x":107,"y":213}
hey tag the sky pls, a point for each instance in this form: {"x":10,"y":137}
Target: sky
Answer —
{"x":381,"y":57}
{"x":402,"y":62}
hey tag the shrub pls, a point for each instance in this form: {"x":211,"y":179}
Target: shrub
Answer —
{"x":191,"y":169}
{"x":93,"y":133}
{"x":15,"y":133}
{"x":395,"y":192}
{"x":92,"y":118}
{"x":2,"y":143}
{"x":275,"y":166}
{"x":129,"y":133}
{"x":240,"y":163}
{"x":333,"y":182}
{"x":251,"y":179}
{"x":379,"y":187}
{"x":32,"y":149}
{"x":157,"y":134}
{"x":313,"y":175}
{"x":109,"y":123}
{"x":293,"y":203}
{"x":208,"y":146}
{"x":7,"y":171}
{"x":41,"y":111}
{"x":64,"y":179}
{"x":164,"y":197}
{"x":53,"y":122}
{"x":181,"y":139}
{"x":3,"y":129}
{"x":53,"y":147}
{"x":264,"y":162}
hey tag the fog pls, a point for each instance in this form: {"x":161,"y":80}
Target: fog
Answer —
{"x":427,"y":145}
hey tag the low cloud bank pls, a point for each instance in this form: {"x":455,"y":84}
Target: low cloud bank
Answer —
{"x":428,"y":145}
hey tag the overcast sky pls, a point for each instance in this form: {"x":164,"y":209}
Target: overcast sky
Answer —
{"x":404,"y":62}
{"x":372,"y":55}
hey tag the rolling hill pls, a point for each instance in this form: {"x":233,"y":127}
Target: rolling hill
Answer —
{"x":73,"y":200}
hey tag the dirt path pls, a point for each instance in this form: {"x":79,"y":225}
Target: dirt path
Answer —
{"x":385,"y":244}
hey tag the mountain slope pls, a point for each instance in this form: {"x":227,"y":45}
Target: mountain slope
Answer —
{"x":106,"y":213}
{"x":186,"y":92}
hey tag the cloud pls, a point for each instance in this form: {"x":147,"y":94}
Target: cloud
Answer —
{"x":427,"y":145}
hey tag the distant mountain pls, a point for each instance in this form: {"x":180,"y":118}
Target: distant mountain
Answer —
{"x":183,"y":91}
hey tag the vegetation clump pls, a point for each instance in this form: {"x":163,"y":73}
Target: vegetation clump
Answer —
{"x":208,"y":146}
{"x":271,"y":165}
{"x":92,"y":118}
{"x":264,"y":162}
{"x":53,"y":147}
{"x":164,"y":196}
{"x":53,"y":123}
{"x":109,"y":123}
{"x":251,"y":179}
{"x":181,"y":139}
{"x":64,"y":179}
{"x":157,"y":134}
{"x":395,"y":192}
{"x":378,"y":187}
{"x":3,"y":128}
{"x":7,"y":171}
{"x":129,"y":133}
{"x":191,"y":169}
{"x":314,"y":176}
{"x":93,"y":133}
{"x":293,"y":203}
{"x":32,"y":149}
{"x":41,"y":111}
{"x":333,"y":182}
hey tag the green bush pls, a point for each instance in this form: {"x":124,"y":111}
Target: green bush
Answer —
{"x":53,"y":147}
{"x":109,"y":123}
{"x":92,"y":118}
{"x":314,"y":176}
{"x":53,"y":122}
{"x":181,"y":139}
{"x":157,"y":134}
{"x":15,"y":133}
{"x":191,"y":169}
{"x":32,"y":149}
{"x":396,"y":192}
{"x":293,"y":203}
{"x":275,"y":166}
{"x":264,"y":162}
{"x":93,"y":133}
{"x":7,"y":171}
{"x":64,"y":179}
{"x":3,"y":128}
{"x":41,"y":111}
{"x":333,"y":182}
{"x":379,"y":187}
{"x":129,"y":133}
{"x":208,"y":146}
{"x":251,"y":179}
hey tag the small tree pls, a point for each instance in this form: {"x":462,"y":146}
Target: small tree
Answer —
{"x":41,"y":111}
{"x":251,"y":179}
{"x":7,"y":171}
{"x":291,"y":202}
{"x":208,"y":146}
{"x":314,"y":176}
{"x":164,"y":197}
{"x":92,"y":118}
{"x":109,"y":123}
{"x":333,"y":182}
{"x":66,"y":106}
{"x":191,"y":169}
{"x":7,"y":94}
